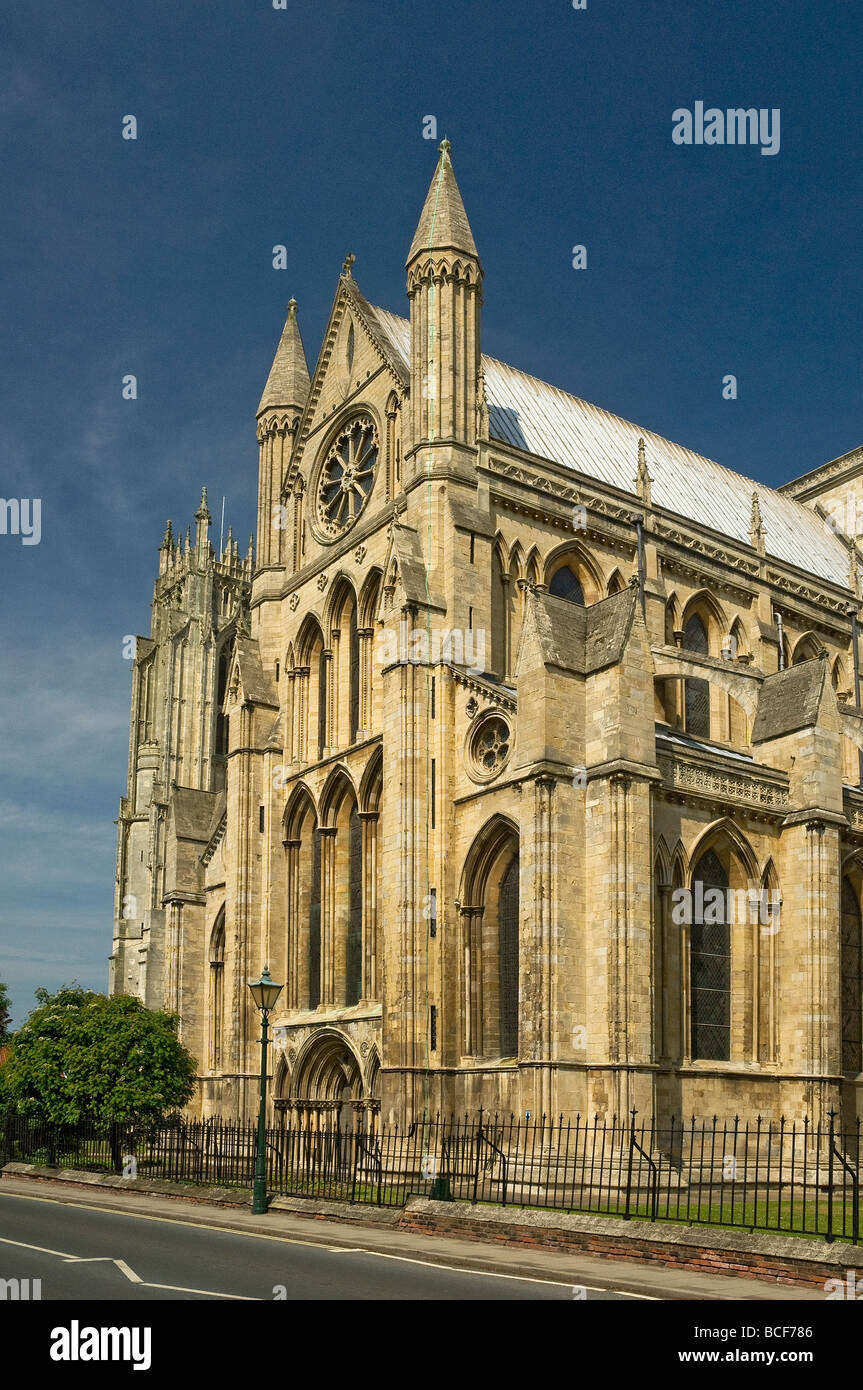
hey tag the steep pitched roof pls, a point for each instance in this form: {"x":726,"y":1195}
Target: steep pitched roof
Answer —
{"x":583,"y":640}
{"x":288,"y":382}
{"x":257,"y":687}
{"x":789,"y":700}
{"x":545,"y":421}
{"x":192,"y":812}
{"x":443,"y":224}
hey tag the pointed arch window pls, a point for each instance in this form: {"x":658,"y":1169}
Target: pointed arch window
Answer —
{"x":221,"y":690}
{"x":354,"y":943}
{"x":354,"y":700}
{"x":710,"y":962}
{"x":217,"y":990}
{"x":349,"y":350}
{"x":565,"y":583}
{"x":696,"y":691}
{"x":322,"y":704}
{"x":315,"y":922}
{"x":508,"y":959}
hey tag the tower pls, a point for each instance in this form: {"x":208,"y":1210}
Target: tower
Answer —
{"x":279,"y":412}
{"x":444,"y":286}
{"x":177,"y":749}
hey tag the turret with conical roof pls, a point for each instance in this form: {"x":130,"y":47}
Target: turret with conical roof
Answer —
{"x":445,"y":292}
{"x":285,"y":395}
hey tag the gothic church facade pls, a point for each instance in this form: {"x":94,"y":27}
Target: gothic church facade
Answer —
{"x":509,"y":690}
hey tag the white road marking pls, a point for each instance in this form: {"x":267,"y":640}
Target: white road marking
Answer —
{"x":124,"y":1269}
{"x":171,"y":1221}
{"x":495,"y":1274}
{"x":317,"y":1245}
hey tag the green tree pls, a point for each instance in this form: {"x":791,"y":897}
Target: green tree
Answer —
{"x":5,"y":1013}
{"x":82,"y":1054}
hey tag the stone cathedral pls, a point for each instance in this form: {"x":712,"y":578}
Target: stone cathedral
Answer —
{"x":523,"y":746}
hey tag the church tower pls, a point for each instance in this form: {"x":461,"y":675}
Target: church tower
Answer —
{"x":285,"y":394}
{"x":444,"y":286}
{"x":177,"y":749}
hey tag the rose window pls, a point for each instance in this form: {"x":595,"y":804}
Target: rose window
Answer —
{"x":490,"y":746}
{"x":346,"y":476}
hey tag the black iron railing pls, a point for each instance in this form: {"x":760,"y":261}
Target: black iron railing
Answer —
{"x":787,"y":1177}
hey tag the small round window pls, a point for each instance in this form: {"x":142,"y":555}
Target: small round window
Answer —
{"x":490,"y":745}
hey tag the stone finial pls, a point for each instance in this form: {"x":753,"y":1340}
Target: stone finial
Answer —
{"x":756,"y":526}
{"x":350,"y":258}
{"x":642,"y":477}
{"x":444,"y":147}
{"x":168,"y":538}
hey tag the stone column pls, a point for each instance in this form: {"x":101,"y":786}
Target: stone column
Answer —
{"x":328,"y":915}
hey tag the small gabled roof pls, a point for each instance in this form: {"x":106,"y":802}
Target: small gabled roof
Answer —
{"x":257,"y":688}
{"x":583,"y":640}
{"x":789,"y":700}
{"x":191,"y":813}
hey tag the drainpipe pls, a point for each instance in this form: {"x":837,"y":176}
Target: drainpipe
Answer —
{"x":781,"y":642}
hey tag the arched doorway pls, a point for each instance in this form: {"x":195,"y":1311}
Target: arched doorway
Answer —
{"x":328,"y":1090}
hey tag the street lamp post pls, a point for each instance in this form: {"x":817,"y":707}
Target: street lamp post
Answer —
{"x":265,"y":993}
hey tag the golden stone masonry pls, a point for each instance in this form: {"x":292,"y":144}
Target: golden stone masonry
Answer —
{"x":504,"y":676}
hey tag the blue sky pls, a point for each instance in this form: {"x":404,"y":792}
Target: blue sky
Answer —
{"x":303,"y":126}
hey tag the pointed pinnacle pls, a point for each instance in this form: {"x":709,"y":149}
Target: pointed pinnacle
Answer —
{"x":443,"y":223}
{"x":288,"y":382}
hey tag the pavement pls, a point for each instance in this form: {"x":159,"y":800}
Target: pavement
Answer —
{"x":92,"y":1243}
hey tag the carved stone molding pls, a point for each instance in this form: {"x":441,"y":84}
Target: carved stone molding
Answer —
{"x":742,"y":788}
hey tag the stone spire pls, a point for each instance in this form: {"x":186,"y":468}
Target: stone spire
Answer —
{"x":285,"y":395}
{"x":202,"y":523}
{"x":443,"y":225}
{"x":642,"y":477}
{"x":444,"y":286}
{"x":288,"y":383}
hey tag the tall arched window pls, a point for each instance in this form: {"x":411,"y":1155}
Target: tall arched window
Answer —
{"x":315,"y":922}
{"x":489,"y":910}
{"x":507,"y":916}
{"x":565,"y":583}
{"x":852,"y":980}
{"x":322,"y":705}
{"x":221,"y":688}
{"x":710,"y":962}
{"x":354,"y":943}
{"x":217,"y":990}
{"x":697,"y":691}
{"x":354,"y":648}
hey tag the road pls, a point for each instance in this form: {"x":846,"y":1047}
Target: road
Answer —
{"x":79,"y":1252}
